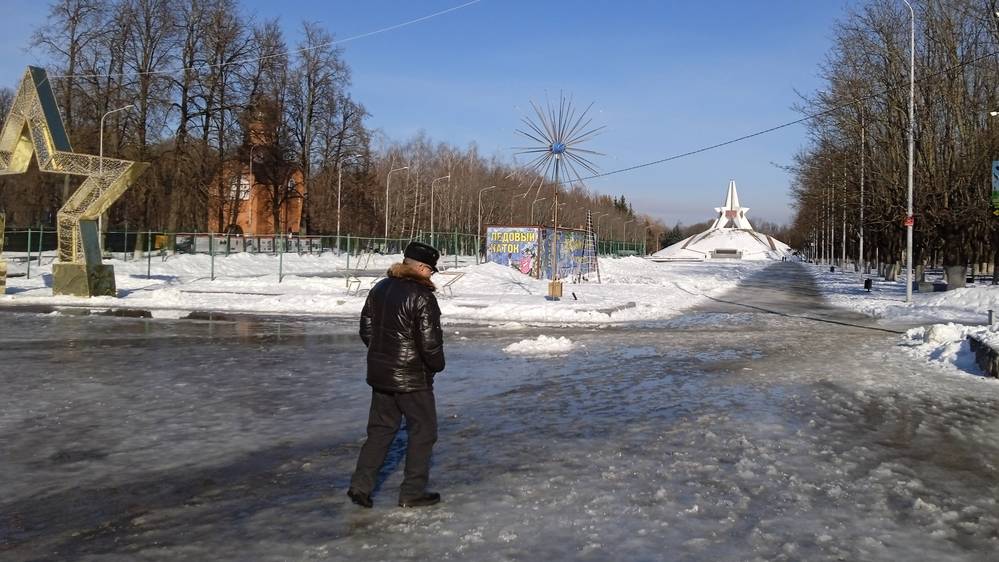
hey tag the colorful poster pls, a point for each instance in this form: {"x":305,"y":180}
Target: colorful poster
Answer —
{"x":570,"y":248}
{"x":513,"y":246}
{"x":528,"y":249}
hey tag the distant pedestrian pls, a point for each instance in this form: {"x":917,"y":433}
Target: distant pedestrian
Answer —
{"x":400,"y":324}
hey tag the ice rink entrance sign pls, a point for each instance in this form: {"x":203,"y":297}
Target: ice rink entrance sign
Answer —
{"x":34,"y":127}
{"x":528,"y":249}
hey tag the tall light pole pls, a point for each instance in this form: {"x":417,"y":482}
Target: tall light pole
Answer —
{"x":433,"y":234}
{"x":912,"y":150}
{"x":252,"y":181}
{"x":514,"y":198}
{"x":535,"y":203}
{"x":339,"y":186}
{"x":598,"y":223}
{"x":863,"y":158}
{"x":100,"y":162}
{"x":388,"y":180}
{"x":478,"y":231}
{"x":100,"y":168}
{"x":624,"y":230}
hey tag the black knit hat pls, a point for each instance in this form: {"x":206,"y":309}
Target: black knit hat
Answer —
{"x":423,"y":253}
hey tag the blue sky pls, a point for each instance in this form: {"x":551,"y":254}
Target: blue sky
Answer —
{"x":665,"y":78}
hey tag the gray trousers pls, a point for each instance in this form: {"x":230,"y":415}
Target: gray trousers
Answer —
{"x":384,"y":419}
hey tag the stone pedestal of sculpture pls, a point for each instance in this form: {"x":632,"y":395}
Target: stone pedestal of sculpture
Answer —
{"x":90,"y":278}
{"x":82,"y":280}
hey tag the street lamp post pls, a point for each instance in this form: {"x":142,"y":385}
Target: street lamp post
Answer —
{"x":388,"y":180}
{"x":100,"y":164}
{"x":339,"y":186}
{"x":250,"y":180}
{"x":912,"y":150}
{"x":478,"y":231}
{"x":532,"y":207}
{"x":514,"y":198}
{"x":598,"y":227}
{"x":433,"y":235}
{"x":624,"y":230}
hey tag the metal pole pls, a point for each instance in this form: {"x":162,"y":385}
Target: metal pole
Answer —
{"x":433,"y":234}
{"x":149,"y":254}
{"x":388,"y":180}
{"x":339,"y":185}
{"x":478,"y":230}
{"x":100,"y":160}
{"x":532,"y":208}
{"x":912,"y":150}
{"x":843,"y":206}
{"x":124,"y":245}
{"x":252,"y":181}
{"x":863,"y":143}
{"x":211,"y":252}
{"x":281,"y":260}
{"x":29,"y":253}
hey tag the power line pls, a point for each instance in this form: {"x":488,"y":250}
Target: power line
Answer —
{"x":808,"y":117}
{"x":274,"y":55}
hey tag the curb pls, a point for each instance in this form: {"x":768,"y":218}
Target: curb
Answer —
{"x":986,"y":356}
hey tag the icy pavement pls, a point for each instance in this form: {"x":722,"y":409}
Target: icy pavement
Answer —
{"x":728,"y":433}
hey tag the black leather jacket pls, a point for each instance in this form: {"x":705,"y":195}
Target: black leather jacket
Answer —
{"x":401,"y":325}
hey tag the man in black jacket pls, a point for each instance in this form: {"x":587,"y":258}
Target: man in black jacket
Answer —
{"x":401,"y":325}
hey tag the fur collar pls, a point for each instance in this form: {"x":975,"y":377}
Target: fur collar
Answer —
{"x":403,"y":271}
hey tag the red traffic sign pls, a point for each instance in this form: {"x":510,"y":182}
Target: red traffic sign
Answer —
{"x":909,"y":221}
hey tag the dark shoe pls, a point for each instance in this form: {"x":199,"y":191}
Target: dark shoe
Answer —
{"x":360,"y":498}
{"x":430,"y":498}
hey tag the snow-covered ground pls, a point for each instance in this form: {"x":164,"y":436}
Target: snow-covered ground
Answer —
{"x":632,"y":289}
{"x":949,"y":317}
{"x":714,"y":435}
{"x":886,"y":301}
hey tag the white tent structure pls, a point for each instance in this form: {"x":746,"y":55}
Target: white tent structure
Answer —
{"x":730,"y":237}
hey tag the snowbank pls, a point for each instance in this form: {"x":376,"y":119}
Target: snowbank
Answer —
{"x":631,"y":290}
{"x":887,"y":299}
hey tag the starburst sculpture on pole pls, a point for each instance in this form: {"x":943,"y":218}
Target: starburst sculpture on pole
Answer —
{"x":558,"y":131}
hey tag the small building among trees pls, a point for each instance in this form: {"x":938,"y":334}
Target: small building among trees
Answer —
{"x":260,"y":192}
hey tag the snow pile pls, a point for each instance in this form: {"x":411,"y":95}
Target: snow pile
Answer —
{"x":542,"y":345}
{"x":944,"y":344}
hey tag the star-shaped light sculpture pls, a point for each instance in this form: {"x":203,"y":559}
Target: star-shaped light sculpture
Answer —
{"x":558,"y":132}
{"x":34,"y":127}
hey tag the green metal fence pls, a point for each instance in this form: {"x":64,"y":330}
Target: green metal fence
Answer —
{"x":130,"y":241}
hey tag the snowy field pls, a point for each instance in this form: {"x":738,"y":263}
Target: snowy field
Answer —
{"x":632,"y":289}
